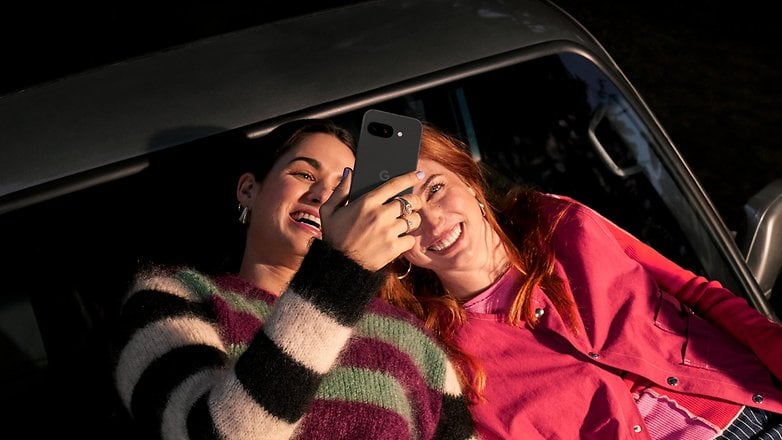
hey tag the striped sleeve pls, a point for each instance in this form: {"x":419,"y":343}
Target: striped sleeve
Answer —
{"x":310,"y":325}
{"x":170,"y":350}
{"x":175,"y":376}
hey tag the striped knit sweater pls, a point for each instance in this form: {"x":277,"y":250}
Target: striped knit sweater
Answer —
{"x":216,"y":358}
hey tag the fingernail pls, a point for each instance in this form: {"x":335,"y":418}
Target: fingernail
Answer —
{"x":420,"y":175}
{"x":345,"y":173}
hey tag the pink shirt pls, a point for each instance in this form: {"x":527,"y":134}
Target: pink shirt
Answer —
{"x":498,"y":298}
{"x":549,"y":383}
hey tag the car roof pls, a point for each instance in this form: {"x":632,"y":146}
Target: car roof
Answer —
{"x":249,"y":78}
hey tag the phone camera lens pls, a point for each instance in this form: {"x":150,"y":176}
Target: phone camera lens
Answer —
{"x":379,"y":129}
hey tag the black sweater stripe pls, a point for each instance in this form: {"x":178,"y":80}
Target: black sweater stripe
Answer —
{"x":200,"y":425}
{"x":326,"y":269}
{"x":455,"y":420}
{"x":147,"y":306}
{"x":166,"y":373}
{"x":275,"y":380}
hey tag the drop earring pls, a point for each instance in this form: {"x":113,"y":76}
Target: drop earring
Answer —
{"x":245,"y":212}
{"x":483,"y":208}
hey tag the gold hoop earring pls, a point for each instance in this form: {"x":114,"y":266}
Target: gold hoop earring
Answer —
{"x":407,"y":272}
{"x":244,"y":214}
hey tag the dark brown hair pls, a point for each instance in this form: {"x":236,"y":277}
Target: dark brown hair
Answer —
{"x":263,"y":152}
{"x":258,"y":156}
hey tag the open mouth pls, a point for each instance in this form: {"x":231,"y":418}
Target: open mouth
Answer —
{"x":307,"y":219}
{"x":448,"y":240}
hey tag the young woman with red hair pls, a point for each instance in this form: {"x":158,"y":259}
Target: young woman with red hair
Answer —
{"x":566,"y":326}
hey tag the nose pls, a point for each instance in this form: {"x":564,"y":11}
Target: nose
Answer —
{"x":318,"y":193}
{"x":431,"y":217}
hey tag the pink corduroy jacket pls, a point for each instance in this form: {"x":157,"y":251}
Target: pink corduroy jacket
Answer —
{"x":638,"y":312}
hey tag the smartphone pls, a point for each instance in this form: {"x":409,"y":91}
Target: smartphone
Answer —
{"x":388,"y":146}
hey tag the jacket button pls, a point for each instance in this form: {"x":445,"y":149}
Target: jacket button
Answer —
{"x":593,"y":355}
{"x":757,"y":398}
{"x":539,"y":312}
{"x":672,"y":381}
{"x":637,"y":428}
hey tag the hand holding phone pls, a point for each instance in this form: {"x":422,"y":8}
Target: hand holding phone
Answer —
{"x":388,"y":146}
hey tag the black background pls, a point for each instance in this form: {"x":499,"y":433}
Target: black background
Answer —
{"x":710,"y":72}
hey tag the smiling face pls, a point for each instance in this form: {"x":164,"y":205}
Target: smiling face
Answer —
{"x":284,"y":206}
{"x":453,"y":237}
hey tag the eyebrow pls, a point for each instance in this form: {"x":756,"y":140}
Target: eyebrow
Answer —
{"x":429,"y":180}
{"x":314,"y":163}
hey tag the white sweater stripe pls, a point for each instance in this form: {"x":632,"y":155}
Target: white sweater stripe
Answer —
{"x":167,"y":335}
{"x":181,"y":402}
{"x":305,"y":333}
{"x":241,"y":418}
{"x":165,"y":284}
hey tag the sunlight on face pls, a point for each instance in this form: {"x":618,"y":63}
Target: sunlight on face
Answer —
{"x":452,"y":235}
{"x":285,"y":214}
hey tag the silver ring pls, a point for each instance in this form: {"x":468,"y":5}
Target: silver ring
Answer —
{"x":407,"y":208}
{"x":409,"y":225}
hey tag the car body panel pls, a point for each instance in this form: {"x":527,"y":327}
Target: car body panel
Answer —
{"x":118,"y":112}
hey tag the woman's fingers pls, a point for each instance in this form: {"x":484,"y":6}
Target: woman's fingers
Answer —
{"x":396,"y":185}
{"x":410,"y":223}
{"x":372,"y":229}
{"x":339,"y":197}
{"x":405,"y":205}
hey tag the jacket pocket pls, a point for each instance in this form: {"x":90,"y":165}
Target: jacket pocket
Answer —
{"x":711,"y":348}
{"x":703,"y":344}
{"x":671,"y":316}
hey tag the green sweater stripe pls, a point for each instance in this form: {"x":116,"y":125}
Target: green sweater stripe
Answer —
{"x":240,"y":303}
{"x":236,"y":350}
{"x":204,"y":288}
{"x":427,"y":357}
{"x":197,"y":283}
{"x":366,"y":386}
{"x":424,"y":352}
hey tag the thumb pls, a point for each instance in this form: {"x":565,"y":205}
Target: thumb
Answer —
{"x":339,"y":197}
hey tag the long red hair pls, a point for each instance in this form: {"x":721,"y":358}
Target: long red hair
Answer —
{"x":517,"y":219}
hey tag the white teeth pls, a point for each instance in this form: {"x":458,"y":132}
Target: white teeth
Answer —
{"x":449,"y":240}
{"x":306,"y":218}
